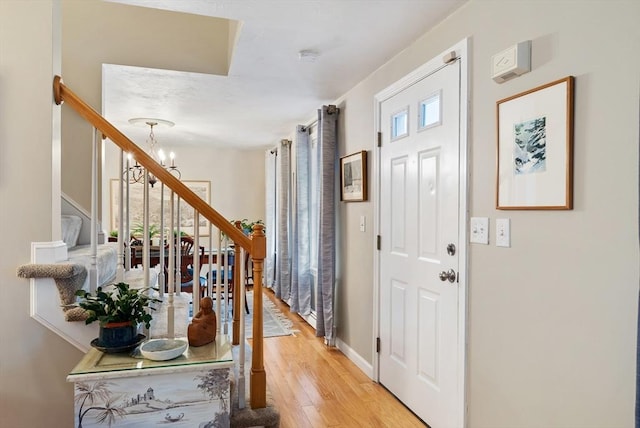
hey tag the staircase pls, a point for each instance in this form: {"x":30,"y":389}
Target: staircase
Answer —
{"x":43,"y":290}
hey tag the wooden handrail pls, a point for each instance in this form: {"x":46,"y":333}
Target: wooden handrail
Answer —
{"x":63,"y":94}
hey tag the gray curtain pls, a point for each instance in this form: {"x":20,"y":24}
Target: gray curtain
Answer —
{"x":270,"y":218}
{"x":282,"y":286}
{"x":300,"y":236}
{"x":637,"y":413}
{"x":327,"y":140}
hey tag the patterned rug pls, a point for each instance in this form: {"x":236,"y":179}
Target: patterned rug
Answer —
{"x":275,"y":323}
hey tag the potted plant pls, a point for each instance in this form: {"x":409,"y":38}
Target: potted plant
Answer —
{"x":119,"y":312}
{"x":246,"y":225}
{"x":138,"y":230}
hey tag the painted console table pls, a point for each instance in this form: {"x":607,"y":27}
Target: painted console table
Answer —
{"x":191,"y":390}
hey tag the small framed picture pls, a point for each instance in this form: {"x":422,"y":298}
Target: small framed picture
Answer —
{"x":353,"y":177}
{"x":535,"y":149}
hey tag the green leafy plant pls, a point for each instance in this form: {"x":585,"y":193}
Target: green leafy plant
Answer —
{"x":246,"y":225}
{"x":138,"y":230}
{"x":123,"y":304}
{"x":182,"y":233}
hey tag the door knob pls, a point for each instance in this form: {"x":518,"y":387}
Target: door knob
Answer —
{"x":451,"y":249}
{"x":448,"y":275}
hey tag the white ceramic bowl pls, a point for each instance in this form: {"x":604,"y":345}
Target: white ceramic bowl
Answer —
{"x":163,"y":349}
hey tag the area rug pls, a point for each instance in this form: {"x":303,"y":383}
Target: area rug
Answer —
{"x":275,"y":323}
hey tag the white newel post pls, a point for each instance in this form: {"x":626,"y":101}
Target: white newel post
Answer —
{"x":93,"y":271}
{"x":127,"y":226}
{"x":146,"y":239}
{"x":121,"y":239}
{"x":172,"y":265}
{"x":210,"y":267}
{"x":178,"y":245}
{"x":222,"y":283}
{"x":195,"y":289}
{"x":242,"y":296}
{"x":161,"y":276}
{"x":218,"y":294}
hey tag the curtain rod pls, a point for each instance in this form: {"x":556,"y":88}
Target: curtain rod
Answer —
{"x":331,"y":109}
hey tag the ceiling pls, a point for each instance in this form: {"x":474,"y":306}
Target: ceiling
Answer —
{"x":267,"y":89}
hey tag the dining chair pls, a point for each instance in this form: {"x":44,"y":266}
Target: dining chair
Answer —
{"x":226,"y":271}
{"x":186,"y":265}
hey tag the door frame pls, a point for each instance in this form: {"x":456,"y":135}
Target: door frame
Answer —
{"x":461,"y":50}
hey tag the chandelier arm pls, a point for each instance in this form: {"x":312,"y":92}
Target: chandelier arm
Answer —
{"x":136,"y":172}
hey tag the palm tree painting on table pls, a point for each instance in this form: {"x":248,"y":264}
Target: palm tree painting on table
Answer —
{"x":91,"y":393}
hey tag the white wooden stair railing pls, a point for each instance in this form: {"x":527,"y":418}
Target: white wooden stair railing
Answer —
{"x":255,"y":246}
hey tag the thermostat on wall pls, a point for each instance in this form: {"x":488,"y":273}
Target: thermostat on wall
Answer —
{"x":511,"y":62}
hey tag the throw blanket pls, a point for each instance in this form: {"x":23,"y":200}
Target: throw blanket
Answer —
{"x":68,"y":278}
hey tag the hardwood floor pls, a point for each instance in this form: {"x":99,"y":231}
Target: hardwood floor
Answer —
{"x":316,"y":386}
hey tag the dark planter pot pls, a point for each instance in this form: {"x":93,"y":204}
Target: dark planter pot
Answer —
{"x":117,"y":335}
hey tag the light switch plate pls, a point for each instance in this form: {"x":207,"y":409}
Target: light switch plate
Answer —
{"x":503,"y":232}
{"x":363,"y":223}
{"x":479,"y":230}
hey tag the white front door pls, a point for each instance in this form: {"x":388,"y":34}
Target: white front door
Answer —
{"x":419,"y":257}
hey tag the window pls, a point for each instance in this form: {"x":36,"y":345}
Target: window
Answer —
{"x":400,"y":124}
{"x":430,"y":111}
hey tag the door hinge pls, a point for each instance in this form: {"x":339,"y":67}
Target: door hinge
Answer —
{"x":378,"y":242}
{"x":379,"y":139}
{"x":377,"y":345}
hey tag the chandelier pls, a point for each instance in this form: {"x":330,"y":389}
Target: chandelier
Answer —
{"x":136,"y":172}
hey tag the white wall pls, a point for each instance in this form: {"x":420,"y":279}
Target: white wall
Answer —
{"x":120,"y":34}
{"x":34,"y":362}
{"x":552,"y":320}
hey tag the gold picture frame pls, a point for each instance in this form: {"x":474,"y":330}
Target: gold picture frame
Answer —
{"x":200,"y":188}
{"x":535,"y":148}
{"x":353,"y":177}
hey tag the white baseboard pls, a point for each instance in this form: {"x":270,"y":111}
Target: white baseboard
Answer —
{"x":355,"y":358}
{"x":352,"y":355}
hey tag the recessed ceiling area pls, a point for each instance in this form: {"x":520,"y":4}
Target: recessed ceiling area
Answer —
{"x":269,"y":87}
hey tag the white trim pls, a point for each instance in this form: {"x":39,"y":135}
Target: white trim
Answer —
{"x":152,"y":371}
{"x":356,"y":358}
{"x":375,"y":194}
{"x":75,"y":205}
{"x":70,"y":206}
{"x":462,"y":49}
{"x":311,"y":319}
{"x":48,"y":252}
{"x":44,"y":293}
{"x":463,"y":320}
